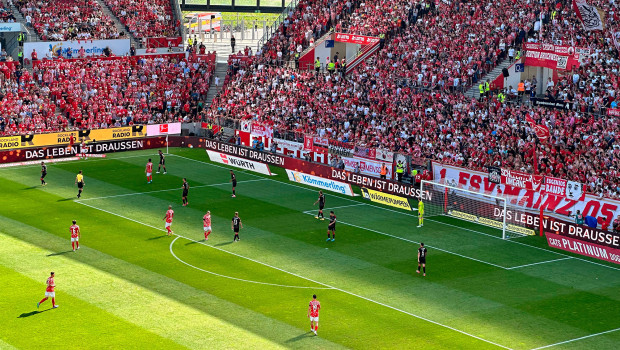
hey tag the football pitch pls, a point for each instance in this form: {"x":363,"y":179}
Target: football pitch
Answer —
{"x":130,"y":286}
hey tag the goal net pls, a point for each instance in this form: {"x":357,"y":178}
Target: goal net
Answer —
{"x":502,"y":212}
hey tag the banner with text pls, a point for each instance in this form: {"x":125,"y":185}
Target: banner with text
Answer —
{"x":386,"y":198}
{"x":553,"y":56}
{"x":119,"y":47}
{"x":366,"y":166}
{"x":63,"y":138}
{"x":563,"y":188}
{"x":237,"y":162}
{"x":315,"y":181}
{"x":339,"y":148}
{"x":603,"y":209}
{"x":163,"y":129}
{"x":522,"y":180}
{"x":583,"y":248}
{"x":355,"y":39}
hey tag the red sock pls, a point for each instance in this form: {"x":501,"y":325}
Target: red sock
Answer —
{"x":77,"y":244}
{"x":42,"y":300}
{"x":316,"y":328}
{"x":73,"y":245}
{"x":53,"y":301}
{"x":169,"y":230}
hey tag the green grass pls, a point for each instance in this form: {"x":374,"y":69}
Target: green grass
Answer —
{"x":140,"y":288}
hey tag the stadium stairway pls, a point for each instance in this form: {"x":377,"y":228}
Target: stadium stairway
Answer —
{"x":474,"y":91}
{"x":220,"y":71}
{"x":31,"y":35}
{"x":119,"y":26}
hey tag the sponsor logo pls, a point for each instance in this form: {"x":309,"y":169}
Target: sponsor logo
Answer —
{"x":583,"y":248}
{"x":385,"y":198}
{"x":238,"y":162}
{"x":319,"y":182}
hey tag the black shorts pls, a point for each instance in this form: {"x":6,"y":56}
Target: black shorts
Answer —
{"x":162,"y":162}
{"x":80,"y":184}
{"x":331,"y":228}
{"x":423,"y":260}
{"x":43,"y":175}
{"x":321,"y":206}
{"x":235,"y":183}
{"x":235,"y":229}
{"x":185,"y":193}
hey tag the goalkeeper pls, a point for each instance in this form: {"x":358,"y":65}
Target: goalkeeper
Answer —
{"x":420,"y":213}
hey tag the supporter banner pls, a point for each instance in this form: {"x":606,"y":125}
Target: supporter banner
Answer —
{"x":308,"y":143}
{"x":239,"y":162}
{"x":614,"y":112}
{"x":547,"y":102}
{"x":385,"y":198}
{"x":10,"y":27}
{"x":315,"y":181}
{"x":163,"y":129}
{"x":288,"y":145}
{"x":522,"y":180}
{"x":563,"y":188}
{"x":340,"y":148}
{"x":603,"y":209}
{"x":320,"y":141}
{"x":590,"y":16}
{"x":583,"y":248}
{"x":384,"y":155}
{"x":164,"y":42}
{"x":364,"y":152}
{"x":119,"y":47}
{"x":553,"y":56}
{"x":261,"y":130}
{"x":367,"y":166}
{"x":355,"y":39}
{"x":243,"y":152}
{"x":495,"y":174}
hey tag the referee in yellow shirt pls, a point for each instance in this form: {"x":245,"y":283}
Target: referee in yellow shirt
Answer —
{"x":420,"y":213}
{"x":79,"y":181}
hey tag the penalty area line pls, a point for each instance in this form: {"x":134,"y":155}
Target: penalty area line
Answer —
{"x":538,"y":263}
{"x":576,"y":339}
{"x":311,"y":280}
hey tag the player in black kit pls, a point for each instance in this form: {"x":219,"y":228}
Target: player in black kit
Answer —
{"x":162,"y":162}
{"x":331,"y":227}
{"x":185,"y":191}
{"x":236,"y":225}
{"x":321,"y":202}
{"x":233,"y":179}
{"x":422,"y":258}
{"x":43,"y":173}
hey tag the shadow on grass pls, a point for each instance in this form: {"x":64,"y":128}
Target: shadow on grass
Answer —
{"x":195,"y":242}
{"x":300,"y":337}
{"x":156,"y":237}
{"x":31,"y":313}
{"x":66,"y":199}
{"x":60,"y":253}
{"x":223,"y":243}
{"x":31,"y":187}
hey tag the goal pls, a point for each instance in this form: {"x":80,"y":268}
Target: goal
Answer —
{"x":501,"y":212}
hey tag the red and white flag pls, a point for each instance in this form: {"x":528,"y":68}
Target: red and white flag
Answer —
{"x":542,"y":131}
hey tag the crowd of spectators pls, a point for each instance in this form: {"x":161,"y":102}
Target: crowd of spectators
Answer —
{"x":68,"y":19}
{"x":410,"y":96}
{"x":91,"y":93}
{"x":146,"y":18}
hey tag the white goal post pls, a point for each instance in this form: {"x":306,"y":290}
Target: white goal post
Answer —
{"x":501,"y":212}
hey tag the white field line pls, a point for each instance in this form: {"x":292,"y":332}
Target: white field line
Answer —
{"x":339,"y":207}
{"x":412,"y":241}
{"x":403,"y":213}
{"x":311,"y":280}
{"x":580,"y":338}
{"x":165,"y":190}
{"x":537,"y":263}
{"x":235,"y":278}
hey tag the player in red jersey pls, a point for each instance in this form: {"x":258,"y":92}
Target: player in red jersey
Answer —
{"x":149,"y":171}
{"x":75,"y":236}
{"x":206,"y":220}
{"x":49,"y":291}
{"x":168,"y":219}
{"x":313,"y":314}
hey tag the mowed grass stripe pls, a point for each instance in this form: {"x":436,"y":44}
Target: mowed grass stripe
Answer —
{"x":142,"y":306}
{"x":76,"y":324}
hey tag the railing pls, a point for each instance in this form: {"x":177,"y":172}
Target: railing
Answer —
{"x":270,"y":30}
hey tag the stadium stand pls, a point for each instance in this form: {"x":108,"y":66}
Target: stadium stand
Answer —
{"x":68,"y":20}
{"x":145,"y":18}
